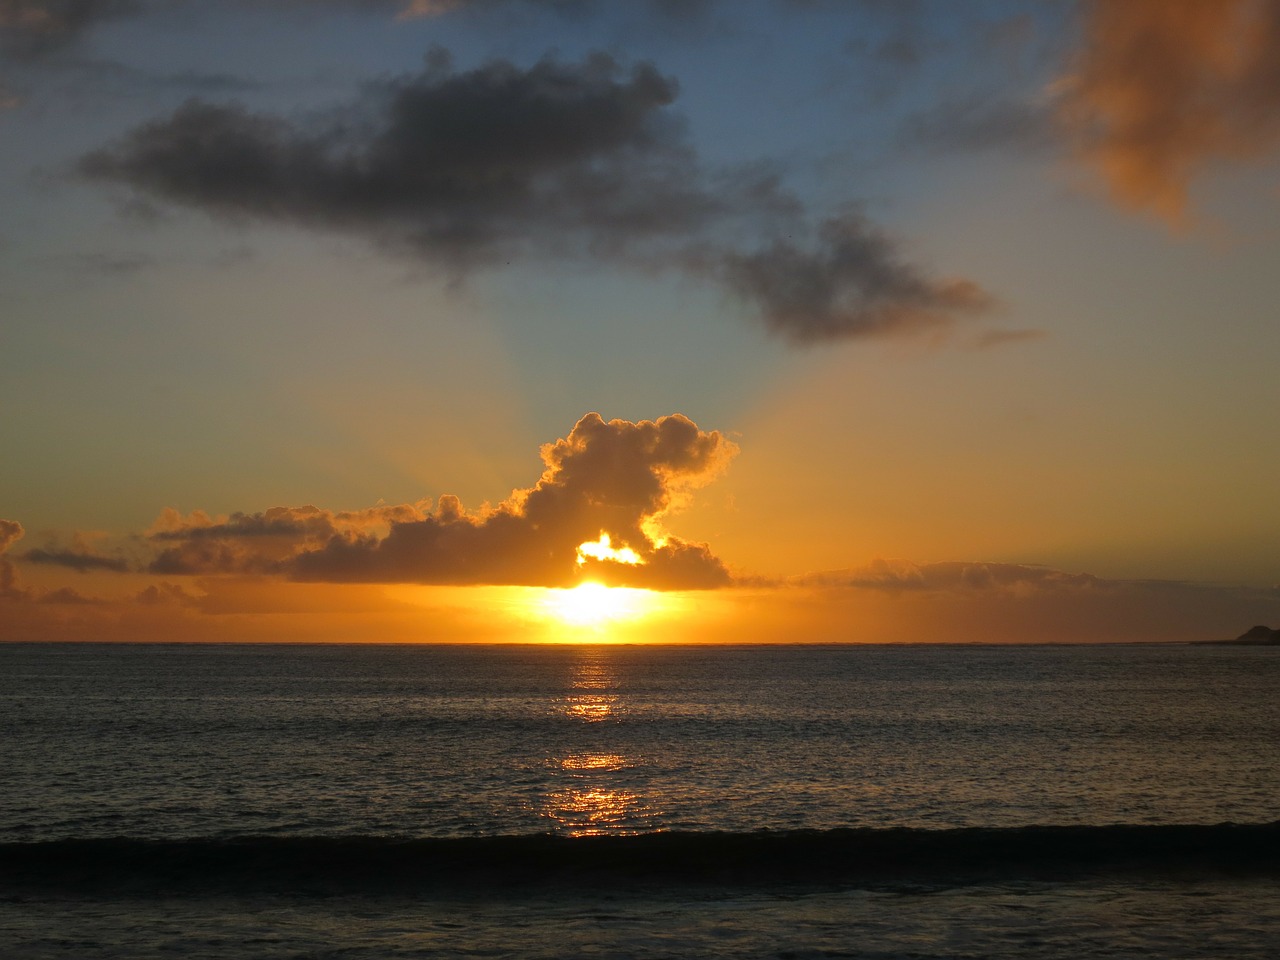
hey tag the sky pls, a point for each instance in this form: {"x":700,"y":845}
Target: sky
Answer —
{"x":772,"y":320}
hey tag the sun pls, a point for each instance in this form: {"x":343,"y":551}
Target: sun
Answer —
{"x":595,"y":605}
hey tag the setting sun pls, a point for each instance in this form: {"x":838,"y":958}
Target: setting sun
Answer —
{"x":594,"y":604}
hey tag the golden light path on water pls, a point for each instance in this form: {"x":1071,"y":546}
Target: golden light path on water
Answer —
{"x":591,"y":797}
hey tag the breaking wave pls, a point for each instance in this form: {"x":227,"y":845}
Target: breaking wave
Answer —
{"x":857,"y":856}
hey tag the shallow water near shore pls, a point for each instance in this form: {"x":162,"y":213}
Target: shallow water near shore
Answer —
{"x":1221,"y":918}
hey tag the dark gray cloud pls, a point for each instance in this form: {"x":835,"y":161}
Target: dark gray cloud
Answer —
{"x":78,"y":560}
{"x":462,"y":169}
{"x":613,"y":479}
{"x":850,"y":283}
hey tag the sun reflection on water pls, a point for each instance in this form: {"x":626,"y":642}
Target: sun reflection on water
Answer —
{"x":594,"y":811}
{"x":609,"y":762}
{"x":591,"y":699}
{"x":591,"y":793}
{"x":590,"y":708}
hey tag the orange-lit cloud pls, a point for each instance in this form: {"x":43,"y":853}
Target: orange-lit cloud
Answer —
{"x":612,"y":478}
{"x":609,"y":481}
{"x":10,"y":532}
{"x":1162,"y":89}
{"x":261,"y":542}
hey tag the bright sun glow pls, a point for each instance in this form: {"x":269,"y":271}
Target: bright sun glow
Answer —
{"x":594,"y":604}
{"x":603,"y":549}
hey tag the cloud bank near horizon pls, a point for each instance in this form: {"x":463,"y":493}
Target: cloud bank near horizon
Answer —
{"x":615,"y":479}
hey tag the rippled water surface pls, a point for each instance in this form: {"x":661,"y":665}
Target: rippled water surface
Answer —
{"x":437,"y":741}
{"x":216,"y":742}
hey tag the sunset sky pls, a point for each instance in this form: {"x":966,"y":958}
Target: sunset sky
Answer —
{"x":841,"y":320}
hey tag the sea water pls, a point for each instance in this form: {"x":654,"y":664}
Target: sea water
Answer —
{"x":202,"y":800}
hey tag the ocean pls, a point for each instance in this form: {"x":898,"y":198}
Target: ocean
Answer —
{"x":638,"y":801}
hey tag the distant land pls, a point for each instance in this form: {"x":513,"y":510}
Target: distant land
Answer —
{"x":1258,"y":636}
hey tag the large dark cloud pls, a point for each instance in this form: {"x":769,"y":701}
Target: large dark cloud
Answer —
{"x":614,"y":479}
{"x":461,"y":169}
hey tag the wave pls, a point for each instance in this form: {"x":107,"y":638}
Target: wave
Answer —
{"x":320,"y":864}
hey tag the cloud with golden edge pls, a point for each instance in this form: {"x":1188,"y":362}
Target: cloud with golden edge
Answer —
{"x":1162,"y":89}
{"x":595,"y":515}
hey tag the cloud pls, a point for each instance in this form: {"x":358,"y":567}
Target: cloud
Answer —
{"x":850,"y":283}
{"x":901,"y":601}
{"x":260,"y":542}
{"x":460,"y":168}
{"x":465,"y":169}
{"x":81,"y":561}
{"x":614,"y":479}
{"x":1163,"y":89}
{"x":895,"y":576}
{"x":29,"y":28}
{"x":165,"y":594}
{"x":68,"y":596}
{"x":471,"y":168}
{"x":10,"y":532}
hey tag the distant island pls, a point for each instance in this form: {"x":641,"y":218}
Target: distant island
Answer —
{"x":1258,"y":636}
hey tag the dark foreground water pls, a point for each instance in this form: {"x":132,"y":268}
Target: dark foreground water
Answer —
{"x":202,"y":801}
